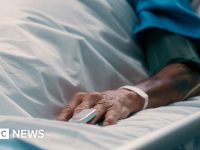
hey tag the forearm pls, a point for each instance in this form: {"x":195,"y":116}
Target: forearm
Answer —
{"x":171,"y":84}
{"x":174,"y":61}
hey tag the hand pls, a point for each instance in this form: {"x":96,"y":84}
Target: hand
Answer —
{"x":110,"y":105}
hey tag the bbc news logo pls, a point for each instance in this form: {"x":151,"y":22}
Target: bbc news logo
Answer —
{"x":6,"y":133}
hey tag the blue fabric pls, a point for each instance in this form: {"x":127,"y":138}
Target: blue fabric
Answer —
{"x":175,"y":16}
{"x":17,"y":144}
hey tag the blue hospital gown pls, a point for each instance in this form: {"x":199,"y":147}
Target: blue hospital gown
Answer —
{"x":175,"y":16}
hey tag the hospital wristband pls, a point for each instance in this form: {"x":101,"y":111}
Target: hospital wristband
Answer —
{"x":139,"y":92}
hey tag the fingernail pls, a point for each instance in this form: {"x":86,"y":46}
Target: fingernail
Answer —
{"x":105,"y":124}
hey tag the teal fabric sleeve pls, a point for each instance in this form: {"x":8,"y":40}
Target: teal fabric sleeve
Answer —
{"x":163,"y":48}
{"x":180,"y":23}
{"x":175,"y":16}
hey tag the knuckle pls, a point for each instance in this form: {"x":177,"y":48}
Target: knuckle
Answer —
{"x":67,"y":109}
{"x":84,"y":105}
{"x":80,"y":94}
{"x":94,"y":96}
{"x":80,"y":108}
{"x":107,"y":104}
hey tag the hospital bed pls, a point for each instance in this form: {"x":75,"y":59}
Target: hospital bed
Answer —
{"x":49,"y":51}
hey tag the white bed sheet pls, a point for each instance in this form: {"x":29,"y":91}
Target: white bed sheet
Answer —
{"x":72,"y":136}
{"x":49,"y":51}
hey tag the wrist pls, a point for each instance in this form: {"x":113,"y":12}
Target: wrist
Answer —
{"x":136,"y":101}
{"x":139,"y":92}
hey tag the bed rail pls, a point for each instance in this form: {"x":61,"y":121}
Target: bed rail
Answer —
{"x":168,"y":137}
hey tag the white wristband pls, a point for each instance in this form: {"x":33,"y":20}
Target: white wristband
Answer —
{"x":139,"y":92}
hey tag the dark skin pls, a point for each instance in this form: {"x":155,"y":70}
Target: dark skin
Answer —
{"x":171,"y":84}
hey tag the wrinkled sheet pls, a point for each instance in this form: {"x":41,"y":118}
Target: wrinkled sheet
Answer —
{"x":71,"y":136}
{"x":51,"y":50}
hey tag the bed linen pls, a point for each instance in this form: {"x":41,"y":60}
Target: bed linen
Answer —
{"x":49,"y":51}
{"x":72,"y":136}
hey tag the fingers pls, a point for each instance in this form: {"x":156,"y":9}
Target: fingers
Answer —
{"x":100,"y":112}
{"x":78,"y":103}
{"x":110,"y":106}
{"x":111,"y":117}
{"x":68,"y":111}
{"x":114,"y":114}
{"x":101,"y":108}
{"x":89,"y":101}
